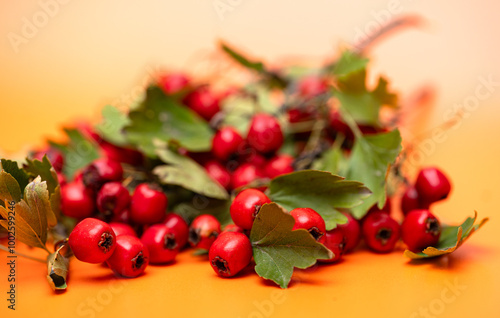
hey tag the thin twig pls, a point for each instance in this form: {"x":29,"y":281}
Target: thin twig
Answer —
{"x":22,"y":255}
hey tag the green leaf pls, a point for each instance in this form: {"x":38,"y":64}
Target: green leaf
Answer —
{"x":277,"y":249}
{"x":369,"y":163}
{"x":349,"y":63}
{"x":185,"y":172}
{"x":78,"y":152}
{"x":362,"y":104}
{"x":238,"y":57}
{"x":202,"y":205}
{"x":9,"y":188}
{"x":57,"y":270}
{"x":332,"y":160}
{"x":45,"y":170}
{"x":162,"y":117}
{"x":31,"y":214}
{"x":452,"y":237}
{"x":12,"y":168}
{"x":112,"y":125}
{"x":318,"y":190}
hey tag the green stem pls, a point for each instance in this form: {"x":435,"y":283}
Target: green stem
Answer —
{"x":23,"y":255}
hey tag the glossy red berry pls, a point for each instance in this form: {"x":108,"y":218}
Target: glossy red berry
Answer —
{"x":230,"y":253}
{"x":245,"y":207}
{"x":130,"y":257}
{"x":122,"y":229}
{"x":352,"y":232}
{"x":420,"y":229}
{"x":176,"y":223}
{"x":203,"y":231}
{"x":204,"y":102}
{"x":92,"y":241}
{"x":264,"y":134}
{"x":432,"y":185}
{"x":120,"y":154}
{"x":310,"y":220}
{"x":112,"y":199}
{"x":55,"y":157}
{"x":245,"y":174}
{"x":77,"y":201}
{"x":411,"y":201}
{"x":219,"y":173}
{"x":148,"y":204}
{"x":381,"y":232}
{"x":278,"y":165}
{"x":173,"y":83}
{"x":101,"y":171}
{"x":335,"y":241}
{"x":122,"y":217}
{"x":162,"y":244}
{"x":233,"y":228}
{"x":312,"y":86}
{"x":226,"y":142}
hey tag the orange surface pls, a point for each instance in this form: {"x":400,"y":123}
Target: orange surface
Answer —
{"x":93,"y":52}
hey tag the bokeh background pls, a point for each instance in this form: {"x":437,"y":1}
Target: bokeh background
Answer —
{"x":63,"y":60}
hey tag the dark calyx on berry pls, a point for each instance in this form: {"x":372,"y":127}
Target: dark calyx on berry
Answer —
{"x":169,"y":241}
{"x":384,"y":235}
{"x":194,"y":236}
{"x":316,"y":233}
{"x":138,"y":261}
{"x":432,"y":226}
{"x":221,"y":265}
{"x":106,"y":241}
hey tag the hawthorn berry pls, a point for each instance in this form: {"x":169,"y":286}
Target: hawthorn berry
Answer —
{"x":77,"y":201}
{"x":122,"y":217}
{"x":335,"y":241}
{"x":92,"y":241}
{"x":312,"y":86}
{"x":173,"y":83}
{"x":245,"y":207}
{"x":233,"y":228}
{"x":245,"y":174}
{"x":148,"y":204}
{"x":176,"y":223}
{"x":432,"y":185}
{"x":352,"y":232}
{"x":278,"y":165}
{"x":411,"y":201}
{"x":55,"y":157}
{"x":120,"y":154}
{"x":387,"y":208}
{"x":112,"y":199}
{"x":204,"y":102}
{"x":420,"y":229}
{"x":226,"y":142}
{"x":203,"y":231}
{"x":101,"y":171}
{"x":310,"y":220}
{"x":162,"y":244}
{"x":230,"y":253}
{"x":130,"y":258}
{"x":381,"y":232}
{"x":122,"y":229}
{"x":264,"y":134}
{"x":219,"y":173}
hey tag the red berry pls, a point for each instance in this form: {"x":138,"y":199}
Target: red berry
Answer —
{"x":386,"y":208}
{"x":61,"y":179}
{"x":335,"y":241}
{"x":381,"y":232}
{"x":245,"y":207}
{"x":420,"y":229}
{"x":311,"y":86}
{"x":112,"y":199}
{"x":122,"y":229}
{"x":130,"y":257}
{"x":148,"y":205}
{"x":77,"y":201}
{"x":120,"y":154}
{"x":122,"y":217}
{"x":264,"y":134}
{"x":310,"y":220}
{"x":432,"y":185}
{"x":101,"y":171}
{"x":203,"y":231}
{"x":296,"y":115}
{"x":337,"y":125}
{"x":278,"y":165}
{"x":55,"y":157}
{"x":230,"y":253}
{"x":226,"y":142}
{"x":173,"y":83}
{"x":162,"y":244}
{"x":204,"y":102}
{"x":92,"y":241}
{"x":219,"y":173}
{"x":245,"y":174}
{"x":233,"y":228}
{"x":352,"y":232}
{"x":411,"y":201}
{"x":176,"y":223}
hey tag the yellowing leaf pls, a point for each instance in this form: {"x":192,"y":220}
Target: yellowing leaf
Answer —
{"x":57,"y":270}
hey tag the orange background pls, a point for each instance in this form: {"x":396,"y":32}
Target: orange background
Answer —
{"x":92,"y":53}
